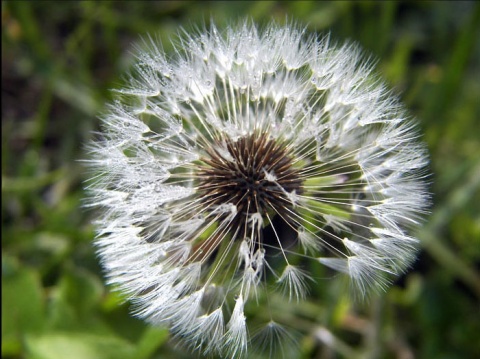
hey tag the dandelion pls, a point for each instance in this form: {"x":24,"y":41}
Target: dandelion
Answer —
{"x":224,"y":172}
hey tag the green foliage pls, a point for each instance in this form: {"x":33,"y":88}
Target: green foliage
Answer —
{"x":59,"y":60}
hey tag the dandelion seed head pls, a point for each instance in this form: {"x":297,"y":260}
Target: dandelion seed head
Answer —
{"x":223,"y":170}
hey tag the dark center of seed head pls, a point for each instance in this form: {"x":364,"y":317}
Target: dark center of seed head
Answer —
{"x":255,"y":173}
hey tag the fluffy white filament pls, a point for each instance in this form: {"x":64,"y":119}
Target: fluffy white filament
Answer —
{"x":195,"y":265}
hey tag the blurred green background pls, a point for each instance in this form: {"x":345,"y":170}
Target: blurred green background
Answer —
{"x":59,"y":60}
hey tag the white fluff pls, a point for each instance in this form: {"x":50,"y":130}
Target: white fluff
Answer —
{"x":186,"y":262}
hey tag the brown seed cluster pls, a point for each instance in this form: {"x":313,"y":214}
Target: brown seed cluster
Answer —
{"x":256,"y":176}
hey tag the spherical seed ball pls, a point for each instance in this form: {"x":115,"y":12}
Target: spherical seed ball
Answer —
{"x":223,"y":172}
